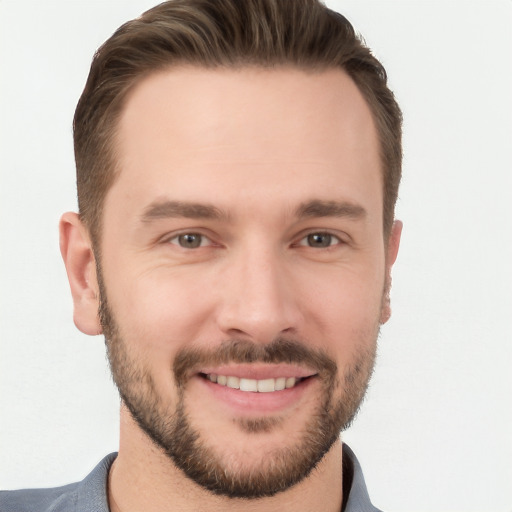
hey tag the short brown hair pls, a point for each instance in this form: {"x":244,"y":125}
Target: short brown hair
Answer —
{"x":227,"y":33}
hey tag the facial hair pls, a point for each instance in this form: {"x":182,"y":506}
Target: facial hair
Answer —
{"x":170,"y":428}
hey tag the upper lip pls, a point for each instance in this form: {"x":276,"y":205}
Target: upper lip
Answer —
{"x":259,"y":371}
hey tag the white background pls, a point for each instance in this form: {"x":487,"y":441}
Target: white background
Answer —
{"x":435,"y":433}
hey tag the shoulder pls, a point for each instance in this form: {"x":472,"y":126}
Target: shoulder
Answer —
{"x":40,"y":500}
{"x":89,"y":494}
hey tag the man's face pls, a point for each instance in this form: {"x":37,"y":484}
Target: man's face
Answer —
{"x":242,"y":247}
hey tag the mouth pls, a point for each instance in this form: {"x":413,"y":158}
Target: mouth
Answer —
{"x":269,"y":385}
{"x":255,"y":390}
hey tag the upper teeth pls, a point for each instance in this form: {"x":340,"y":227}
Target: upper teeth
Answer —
{"x":261,"y":386}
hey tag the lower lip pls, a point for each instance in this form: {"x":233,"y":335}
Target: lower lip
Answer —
{"x":247,"y":402}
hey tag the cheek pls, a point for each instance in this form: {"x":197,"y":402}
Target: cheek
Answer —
{"x":345,"y":309}
{"x":158,"y":313}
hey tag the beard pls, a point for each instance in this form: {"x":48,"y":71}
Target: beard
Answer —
{"x":171,"y":429}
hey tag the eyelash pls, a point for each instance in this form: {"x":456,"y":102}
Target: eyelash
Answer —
{"x":303,"y":242}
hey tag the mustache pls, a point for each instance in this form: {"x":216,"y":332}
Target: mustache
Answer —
{"x":279,"y":351}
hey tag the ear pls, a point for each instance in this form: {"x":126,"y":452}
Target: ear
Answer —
{"x":391,"y":254}
{"x":78,"y":256}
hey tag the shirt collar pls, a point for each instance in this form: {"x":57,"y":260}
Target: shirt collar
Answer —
{"x":355,"y":493}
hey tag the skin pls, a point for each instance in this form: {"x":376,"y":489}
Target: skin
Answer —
{"x":256,"y":145}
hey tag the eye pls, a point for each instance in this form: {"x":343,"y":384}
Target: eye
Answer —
{"x":320,"y":240}
{"x":190,"y":240}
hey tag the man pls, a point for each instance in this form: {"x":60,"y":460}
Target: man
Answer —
{"x":237,"y":169}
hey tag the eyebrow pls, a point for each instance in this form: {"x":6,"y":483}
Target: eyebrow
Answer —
{"x":319,"y":208}
{"x":169,"y":209}
{"x":315,"y":208}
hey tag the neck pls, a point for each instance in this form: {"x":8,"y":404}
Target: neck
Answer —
{"x":143,"y":478}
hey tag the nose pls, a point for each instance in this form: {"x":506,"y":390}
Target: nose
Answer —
{"x":258,"y":299}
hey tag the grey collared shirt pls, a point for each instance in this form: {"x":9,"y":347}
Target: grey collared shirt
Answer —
{"x":90,"y":495}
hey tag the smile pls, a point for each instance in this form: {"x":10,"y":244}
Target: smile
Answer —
{"x":254,"y":385}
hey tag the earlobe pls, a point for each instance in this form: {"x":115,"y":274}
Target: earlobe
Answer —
{"x":391,"y":255}
{"x":78,"y":256}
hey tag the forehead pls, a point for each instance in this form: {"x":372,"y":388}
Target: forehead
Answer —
{"x":246,"y":130}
